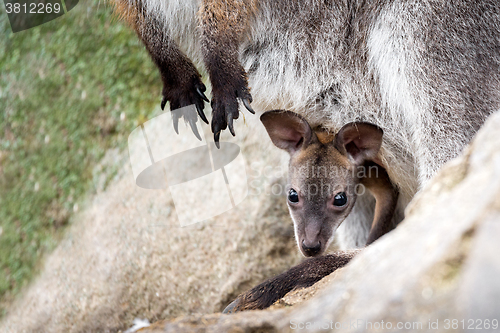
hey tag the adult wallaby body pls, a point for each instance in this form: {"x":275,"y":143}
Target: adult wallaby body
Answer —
{"x":426,"y":72}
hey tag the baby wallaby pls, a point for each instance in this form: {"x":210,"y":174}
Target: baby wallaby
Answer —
{"x":326,"y":173}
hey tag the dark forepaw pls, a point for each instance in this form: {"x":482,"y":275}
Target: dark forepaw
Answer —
{"x":184,"y":94}
{"x":225,"y":105}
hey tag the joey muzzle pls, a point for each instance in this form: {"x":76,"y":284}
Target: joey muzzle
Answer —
{"x":311,"y":244}
{"x":311,"y":249}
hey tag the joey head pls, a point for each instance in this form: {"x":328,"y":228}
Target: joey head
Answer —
{"x":326,"y":173}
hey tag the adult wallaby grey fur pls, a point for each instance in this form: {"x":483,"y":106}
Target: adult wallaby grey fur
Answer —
{"x":426,"y":72}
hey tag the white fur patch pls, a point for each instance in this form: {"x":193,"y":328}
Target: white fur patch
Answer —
{"x":181,"y":22}
{"x":138,"y":324}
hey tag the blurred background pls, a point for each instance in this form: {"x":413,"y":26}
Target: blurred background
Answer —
{"x":69,"y":90}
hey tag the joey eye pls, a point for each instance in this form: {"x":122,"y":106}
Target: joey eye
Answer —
{"x":340,"y":199}
{"x":293,"y":196}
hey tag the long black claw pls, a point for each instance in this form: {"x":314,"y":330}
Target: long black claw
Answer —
{"x":163,"y":103}
{"x":201,"y":113}
{"x":176,"y":123}
{"x":246,"y":103}
{"x":216,"y":139}
{"x":229,"y":120}
{"x":202,"y":94}
{"x":195,"y":129}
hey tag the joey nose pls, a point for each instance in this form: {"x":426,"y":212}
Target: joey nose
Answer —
{"x":311,"y":249}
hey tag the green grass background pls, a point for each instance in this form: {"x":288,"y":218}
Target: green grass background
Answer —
{"x":65,"y":88}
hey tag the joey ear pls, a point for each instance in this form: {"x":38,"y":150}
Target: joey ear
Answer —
{"x":287,"y":130}
{"x":360,"y":141}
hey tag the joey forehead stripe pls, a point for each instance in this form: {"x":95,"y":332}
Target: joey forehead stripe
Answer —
{"x":317,"y":155}
{"x":325,"y":137}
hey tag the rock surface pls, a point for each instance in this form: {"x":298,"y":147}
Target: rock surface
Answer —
{"x":438,"y":271}
{"x":126,"y":257}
